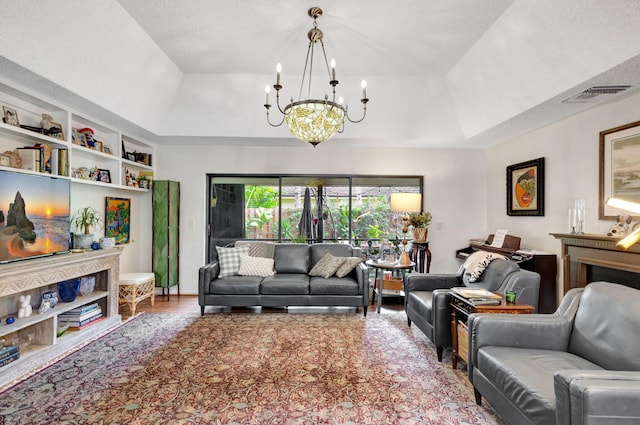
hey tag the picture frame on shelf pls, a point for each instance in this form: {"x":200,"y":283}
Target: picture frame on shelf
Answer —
{"x":98,"y":145}
{"x":525,"y":188}
{"x":103,"y":176}
{"x":56,"y":131}
{"x":5,"y":161}
{"x":117,"y":220}
{"x":82,"y":139}
{"x":107,"y":149}
{"x":131,"y":156}
{"x":10,"y":116}
{"x":74,"y":136}
{"x":619,"y":170}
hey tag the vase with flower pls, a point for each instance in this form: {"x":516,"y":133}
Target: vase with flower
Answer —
{"x":420,"y":223}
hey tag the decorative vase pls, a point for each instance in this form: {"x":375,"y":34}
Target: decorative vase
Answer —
{"x":420,"y":234}
{"x":87,"y":285}
{"x":80,"y":240}
{"x":106,"y":243}
{"x":68,"y":290}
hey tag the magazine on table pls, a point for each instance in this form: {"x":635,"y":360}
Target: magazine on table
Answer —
{"x":477,"y":294}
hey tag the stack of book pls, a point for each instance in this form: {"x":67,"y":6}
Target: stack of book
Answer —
{"x":82,"y":317}
{"x":8,"y":354}
{"x":34,"y":158}
{"x":478,"y":296}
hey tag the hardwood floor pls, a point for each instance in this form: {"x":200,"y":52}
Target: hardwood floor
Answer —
{"x":189,"y":304}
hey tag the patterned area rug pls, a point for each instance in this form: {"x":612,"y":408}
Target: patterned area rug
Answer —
{"x":265,"y":368}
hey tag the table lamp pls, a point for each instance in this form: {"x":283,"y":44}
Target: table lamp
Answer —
{"x":405,"y":203}
{"x":633,"y":207}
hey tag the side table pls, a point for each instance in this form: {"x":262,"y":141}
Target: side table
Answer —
{"x":461,"y":308}
{"x":380,"y":269}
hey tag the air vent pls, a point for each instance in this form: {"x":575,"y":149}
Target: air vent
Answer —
{"x":595,"y":94}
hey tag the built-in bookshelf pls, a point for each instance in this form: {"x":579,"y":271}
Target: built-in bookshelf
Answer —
{"x":86,"y":151}
{"x":38,"y":333}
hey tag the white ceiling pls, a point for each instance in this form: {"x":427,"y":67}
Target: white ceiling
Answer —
{"x":440,"y":73}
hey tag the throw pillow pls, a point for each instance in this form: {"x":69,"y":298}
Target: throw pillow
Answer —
{"x":255,"y":266}
{"x":258,"y":249}
{"x":229,"y":259}
{"x":327,"y":266}
{"x":478,"y":262}
{"x":348,"y":264}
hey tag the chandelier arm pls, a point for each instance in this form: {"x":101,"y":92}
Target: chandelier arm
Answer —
{"x":278,"y":104}
{"x":274,"y":125}
{"x":364,"y":113}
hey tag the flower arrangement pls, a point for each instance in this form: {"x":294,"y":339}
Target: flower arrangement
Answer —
{"x":420,"y":220}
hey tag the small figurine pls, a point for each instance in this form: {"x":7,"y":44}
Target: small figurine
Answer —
{"x":25,"y":309}
{"x":621,"y":226}
{"x":46,"y":121}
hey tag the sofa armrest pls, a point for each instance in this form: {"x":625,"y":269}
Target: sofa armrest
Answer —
{"x":588,"y":397}
{"x":362,"y":274}
{"x":430,"y":282}
{"x":441,"y":317}
{"x":540,"y":331}
{"x":206,"y":274}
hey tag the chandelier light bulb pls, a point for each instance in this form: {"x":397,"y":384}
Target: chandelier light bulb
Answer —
{"x":278,"y":71}
{"x":363,"y":84}
{"x":340,"y":100}
{"x":268,"y":90}
{"x":333,"y":69}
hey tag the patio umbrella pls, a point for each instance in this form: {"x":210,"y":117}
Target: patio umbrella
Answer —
{"x":306,"y":227}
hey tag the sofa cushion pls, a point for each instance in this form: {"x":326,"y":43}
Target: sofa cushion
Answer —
{"x":229,"y":259}
{"x":605,"y":329}
{"x":235,"y":285}
{"x":259,"y":248}
{"x":291,"y":258}
{"x":318,"y":251}
{"x":327,"y":266}
{"x":333,"y":286}
{"x":255,"y":266}
{"x":525,"y":376}
{"x":347,"y":266}
{"x":285,"y":284}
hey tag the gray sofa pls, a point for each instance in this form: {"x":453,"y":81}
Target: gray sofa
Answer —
{"x":577,"y":366}
{"x":427,"y":296}
{"x":291,"y":284}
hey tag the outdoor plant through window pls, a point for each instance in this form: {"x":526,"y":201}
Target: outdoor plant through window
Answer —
{"x":306,"y":209}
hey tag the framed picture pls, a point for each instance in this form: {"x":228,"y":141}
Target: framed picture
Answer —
{"x":619,"y":167}
{"x":117,"y":220}
{"x":107,"y":149}
{"x":10,"y":116}
{"x":55,"y":131}
{"x":97,"y":145}
{"x":103,"y":176}
{"x":74,"y":136}
{"x":82,"y":139}
{"x":525,"y":188}
{"x":131,"y":156}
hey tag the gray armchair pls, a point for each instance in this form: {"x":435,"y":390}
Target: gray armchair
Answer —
{"x":577,"y":366}
{"x":427,"y":296}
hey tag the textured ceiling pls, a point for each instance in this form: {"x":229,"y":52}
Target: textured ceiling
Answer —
{"x":440,"y":73}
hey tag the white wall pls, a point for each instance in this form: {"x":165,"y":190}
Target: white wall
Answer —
{"x":454,"y":188}
{"x":571,"y":151}
{"x":136,"y":256}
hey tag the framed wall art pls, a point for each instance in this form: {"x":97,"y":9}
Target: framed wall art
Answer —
{"x":619,"y":167}
{"x":10,"y":116}
{"x":117,"y":220}
{"x":525,"y":188}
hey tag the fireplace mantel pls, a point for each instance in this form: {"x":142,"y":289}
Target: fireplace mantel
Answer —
{"x":582,"y":254}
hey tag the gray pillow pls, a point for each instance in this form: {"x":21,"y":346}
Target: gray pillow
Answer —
{"x":348,"y":264}
{"x":327,"y":266}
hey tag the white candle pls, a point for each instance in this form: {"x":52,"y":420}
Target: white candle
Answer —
{"x":278,"y":71}
{"x":363,"y":84}
{"x":267,"y":89}
{"x":333,"y":69}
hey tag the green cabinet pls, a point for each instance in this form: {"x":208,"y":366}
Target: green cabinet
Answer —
{"x":166,"y":234}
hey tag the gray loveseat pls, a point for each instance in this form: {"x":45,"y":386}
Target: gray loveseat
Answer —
{"x":427,"y":295}
{"x":291,"y":285}
{"x":577,"y":366}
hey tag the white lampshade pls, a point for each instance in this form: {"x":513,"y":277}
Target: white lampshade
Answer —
{"x":406,"y":202}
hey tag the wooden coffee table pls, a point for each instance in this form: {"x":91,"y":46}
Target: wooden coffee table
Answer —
{"x":461,"y":308}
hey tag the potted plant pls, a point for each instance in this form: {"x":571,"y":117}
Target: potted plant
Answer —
{"x":82,"y":221}
{"x":420,"y":222}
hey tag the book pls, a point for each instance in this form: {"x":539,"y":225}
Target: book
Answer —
{"x":485,"y":301}
{"x":8,"y":351}
{"x":91,"y":323}
{"x":81,"y":310}
{"x":30,"y":159}
{"x":11,"y":358}
{"x":54,"y":161}
{"x":79,"y":319}
{"x":476,"y":293}
{"x":63,"y":162}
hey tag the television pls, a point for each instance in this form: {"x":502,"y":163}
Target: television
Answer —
{"x":34,"y":215}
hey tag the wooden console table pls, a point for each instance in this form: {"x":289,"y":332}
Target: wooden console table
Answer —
{"x":36,"y":276}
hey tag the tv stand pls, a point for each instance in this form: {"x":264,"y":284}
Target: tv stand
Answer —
{"x":36,"y":276}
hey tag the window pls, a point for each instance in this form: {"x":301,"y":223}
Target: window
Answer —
{"x":304,"y":208}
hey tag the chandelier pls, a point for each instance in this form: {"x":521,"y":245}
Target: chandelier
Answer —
{"x":313,"y":120}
